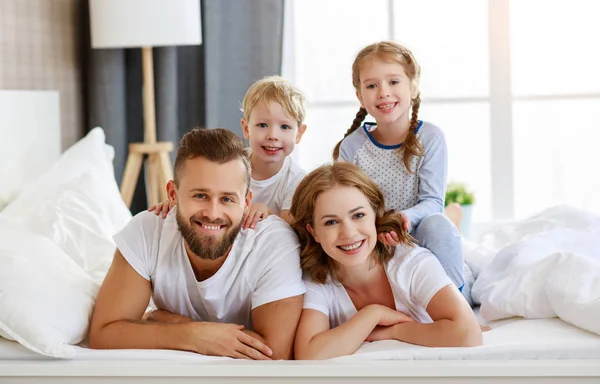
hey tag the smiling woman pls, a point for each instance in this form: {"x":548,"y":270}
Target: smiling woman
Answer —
{"x":360,"y":289}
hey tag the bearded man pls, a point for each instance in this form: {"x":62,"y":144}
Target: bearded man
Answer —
{"x":219,"y":290}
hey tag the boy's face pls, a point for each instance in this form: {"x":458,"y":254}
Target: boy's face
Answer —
{"x":272,"y":133}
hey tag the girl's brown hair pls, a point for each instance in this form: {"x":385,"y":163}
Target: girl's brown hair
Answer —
{"x":313,"y":258}
{"x":396,"y":53}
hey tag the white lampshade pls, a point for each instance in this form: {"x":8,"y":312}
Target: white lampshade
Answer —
{"x":144,"y":23}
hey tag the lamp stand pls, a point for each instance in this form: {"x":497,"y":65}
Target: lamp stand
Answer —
{"x":156,"y":154}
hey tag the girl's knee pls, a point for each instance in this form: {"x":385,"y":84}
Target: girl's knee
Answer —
{"x":436,"y":223}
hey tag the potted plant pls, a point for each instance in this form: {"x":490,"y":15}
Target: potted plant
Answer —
{"x":458,"y":193}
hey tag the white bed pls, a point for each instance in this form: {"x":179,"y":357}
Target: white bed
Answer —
{"x":514,"y":351}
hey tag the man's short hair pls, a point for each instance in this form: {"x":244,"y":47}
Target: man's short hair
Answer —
{"x":218,"y":145}
{"x":275,"y":88}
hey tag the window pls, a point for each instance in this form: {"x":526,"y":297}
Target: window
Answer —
{"x":516,"y":100}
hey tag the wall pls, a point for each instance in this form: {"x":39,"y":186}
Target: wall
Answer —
{"x":39,"y":50}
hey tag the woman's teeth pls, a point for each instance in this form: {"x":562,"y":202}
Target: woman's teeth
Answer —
{"x":352,"y":246}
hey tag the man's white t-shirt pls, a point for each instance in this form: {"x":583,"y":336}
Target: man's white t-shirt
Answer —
{"x":277,"y":191}
{"x":415,"y":276}
{"x":263,"y":266}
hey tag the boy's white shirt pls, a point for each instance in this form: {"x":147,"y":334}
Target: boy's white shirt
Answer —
{"x":263,"y":266}
{"x":277,"y":191}
{"x":415,"y":276}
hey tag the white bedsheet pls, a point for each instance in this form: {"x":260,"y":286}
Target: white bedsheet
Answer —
{"x":511,"y":339}
{"x":547,"y":266}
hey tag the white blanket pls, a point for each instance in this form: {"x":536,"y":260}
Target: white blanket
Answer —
{"x":545,"y":266}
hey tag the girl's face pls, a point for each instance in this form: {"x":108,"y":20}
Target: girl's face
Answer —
{"x":344,"y":225}
{"x":385,"y":91}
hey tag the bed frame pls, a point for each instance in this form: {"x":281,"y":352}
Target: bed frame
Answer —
{"x":414,"y":371}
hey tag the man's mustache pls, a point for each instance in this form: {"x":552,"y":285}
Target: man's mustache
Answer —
{"x":206,"y":221}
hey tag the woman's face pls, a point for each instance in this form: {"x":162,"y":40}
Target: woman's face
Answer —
{"x":344,"y":225}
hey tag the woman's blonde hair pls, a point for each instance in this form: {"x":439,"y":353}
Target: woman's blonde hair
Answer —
{"x":313,"y":258}
{"x":395,"y":53}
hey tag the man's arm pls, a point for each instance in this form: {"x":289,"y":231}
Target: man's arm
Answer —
{"x":276,"y":323}
{"x":117,"y":322}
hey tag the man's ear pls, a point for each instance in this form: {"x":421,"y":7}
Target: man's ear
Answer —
{"x":172,"y":192}
{"x":360,"y":100}
{"x":248,"y":199}
{"x":312,"y":232}
{"x":301,"y":130}
{"x":245,"y":128}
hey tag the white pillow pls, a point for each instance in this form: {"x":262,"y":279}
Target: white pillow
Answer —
{"x":46,"y":298}
{"x":77,"y":204}
{"x":54,"y":259}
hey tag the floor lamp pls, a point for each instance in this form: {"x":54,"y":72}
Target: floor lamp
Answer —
{"x":146,"y":24}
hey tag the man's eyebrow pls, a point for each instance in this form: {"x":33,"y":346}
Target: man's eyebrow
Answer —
{"x":204,"y":190}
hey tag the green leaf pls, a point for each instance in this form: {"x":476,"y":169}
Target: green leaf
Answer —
{"x":458,"y":193}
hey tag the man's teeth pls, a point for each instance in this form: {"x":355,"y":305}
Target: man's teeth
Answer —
{"x":351,"y":247}
{"x":387,"y":106}
{"x":211,"y":227}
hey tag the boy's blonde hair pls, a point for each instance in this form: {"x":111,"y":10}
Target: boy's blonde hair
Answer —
{"x":280,"y":90}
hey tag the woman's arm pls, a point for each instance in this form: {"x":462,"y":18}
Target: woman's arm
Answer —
{"x":315,"y":340}
{"x":454,"y":324}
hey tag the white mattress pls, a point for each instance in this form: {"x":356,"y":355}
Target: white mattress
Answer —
{"x":512,"y":339}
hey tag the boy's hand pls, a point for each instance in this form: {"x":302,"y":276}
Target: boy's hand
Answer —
{"x":163,"y":208}
{"x":256,"y":212}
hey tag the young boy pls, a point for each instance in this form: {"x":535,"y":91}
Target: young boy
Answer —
{"x":274,"y":111}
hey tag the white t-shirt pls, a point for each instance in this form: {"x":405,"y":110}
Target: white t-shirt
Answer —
{"x":277,"y":191}
{"x":263,"y":266}
{"x":415,"y":276}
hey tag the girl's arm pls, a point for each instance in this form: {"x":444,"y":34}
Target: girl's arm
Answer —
{"x":454,"y":324}
{"x":432,"y":180}
{"x":315,"y":340}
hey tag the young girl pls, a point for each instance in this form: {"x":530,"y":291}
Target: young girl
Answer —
{"x":406,"y":157}
{"x":359,"y":289}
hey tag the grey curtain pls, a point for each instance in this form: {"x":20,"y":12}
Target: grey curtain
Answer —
{"x":194,"y":85}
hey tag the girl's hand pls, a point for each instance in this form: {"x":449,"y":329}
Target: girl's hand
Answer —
{"x":389,"y":238}
{"x":256,"y":212}
{"x":405,"y":222}
{"x":163,"y":208}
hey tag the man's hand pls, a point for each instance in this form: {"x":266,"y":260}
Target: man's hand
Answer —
{"x":256,"y":212}
{"x":217,"y":339}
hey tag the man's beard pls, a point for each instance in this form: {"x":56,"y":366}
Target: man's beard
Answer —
{"x":206,"y":246}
